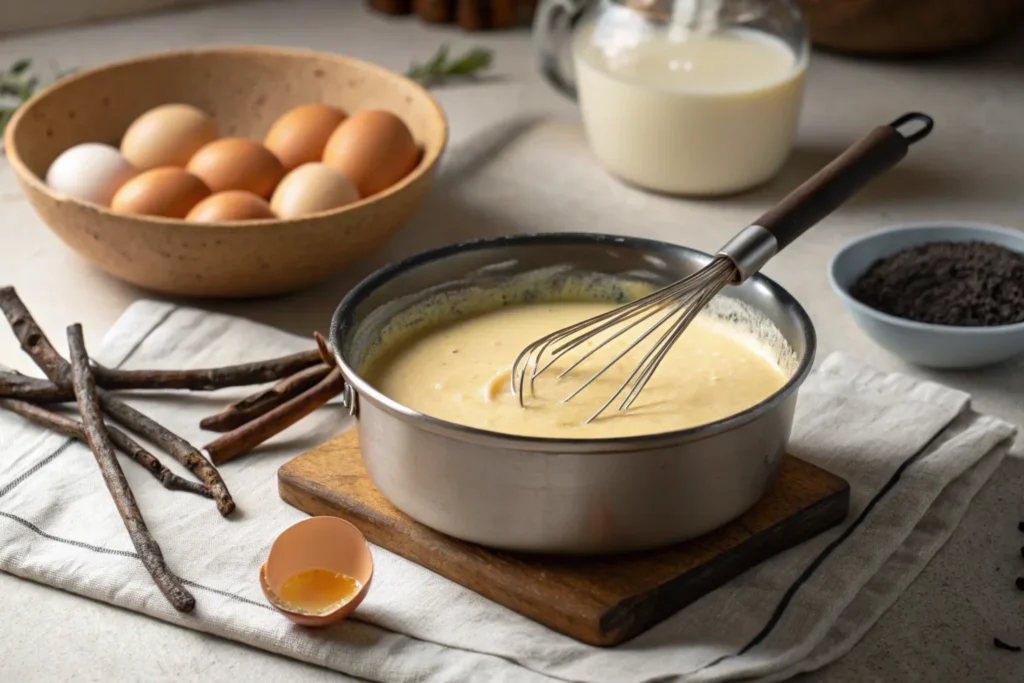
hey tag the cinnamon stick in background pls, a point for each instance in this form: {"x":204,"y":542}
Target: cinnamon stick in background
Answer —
{"x":481,"y":15}
{"x":103,"y":449}
{"x":35,"y":343}
{"x":252,"y":434}
{"x":393,"y":7}
{"x":207,"y":379}
{"x":73,"y":428}
{"x":504,"y":13}
{"x":435,"y":11}
{"x":254,"y":405}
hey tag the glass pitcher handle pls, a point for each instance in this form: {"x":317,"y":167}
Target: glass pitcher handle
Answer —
{"x":552,"y":27}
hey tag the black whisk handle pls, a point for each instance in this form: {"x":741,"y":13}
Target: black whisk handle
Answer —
{"x":847,"y":174}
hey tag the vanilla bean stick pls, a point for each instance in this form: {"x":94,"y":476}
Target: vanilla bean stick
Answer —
{"x":73,"y":428}
{"x":103,"y":449}
{"x":207,"y":379}
{"x":34,"y":342}
{"x":252,"y":434}
{"x":254,"y":405}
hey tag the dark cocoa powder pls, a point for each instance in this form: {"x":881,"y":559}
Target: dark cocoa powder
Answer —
{"x":967,"y":284}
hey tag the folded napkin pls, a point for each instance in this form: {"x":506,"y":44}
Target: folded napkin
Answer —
{"x":914,"y":453}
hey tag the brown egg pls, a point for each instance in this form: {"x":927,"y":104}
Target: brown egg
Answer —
{"x":299,"y":135}
{"x":312,"y":188}
{"x":230,"y":205}
{"x":169,"y":191}
{"x":167,"y":135}
{"x":374,"y":148}
{"x":237,"y":164}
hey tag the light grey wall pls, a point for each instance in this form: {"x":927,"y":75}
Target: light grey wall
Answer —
{"x":26,"y":15}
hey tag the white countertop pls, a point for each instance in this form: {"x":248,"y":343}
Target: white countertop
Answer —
{"x":941,"y":629}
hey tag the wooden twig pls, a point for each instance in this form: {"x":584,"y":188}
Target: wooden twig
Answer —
{"x":207,"y":379}
{"x":254,"y":405}
{"x":73,"y":428}
{"x":13,"y":385}
{"x":181,"y":450}
{"x":31,"y":337}
{"x":103,"y":449}
{"x":34,"y":342}
{"x":252,"y":434}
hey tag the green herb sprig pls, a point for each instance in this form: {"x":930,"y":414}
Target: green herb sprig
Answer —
{"x":441,"y":68}
{"x":17,"y":85}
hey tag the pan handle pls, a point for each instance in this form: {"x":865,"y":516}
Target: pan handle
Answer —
{"x":350,"y":400}
{"x":824,"y":192}
{"x":328,"y":354}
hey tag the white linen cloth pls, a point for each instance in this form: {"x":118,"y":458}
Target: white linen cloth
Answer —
{"x":914,"y":453}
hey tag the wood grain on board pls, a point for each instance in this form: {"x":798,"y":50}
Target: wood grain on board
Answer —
{"x":598,"y":600}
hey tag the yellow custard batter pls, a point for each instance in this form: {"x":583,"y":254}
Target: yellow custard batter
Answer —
{"x":460,"y":373}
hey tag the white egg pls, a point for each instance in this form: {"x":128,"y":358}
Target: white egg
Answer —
{"x":90,"y":172}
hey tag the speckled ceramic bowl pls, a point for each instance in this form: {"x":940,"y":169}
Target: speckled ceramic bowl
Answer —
{"x":938,"y":346}
{"x":245,"y":89}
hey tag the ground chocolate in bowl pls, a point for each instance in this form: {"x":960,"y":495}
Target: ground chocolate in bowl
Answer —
{"x":966,"y":284}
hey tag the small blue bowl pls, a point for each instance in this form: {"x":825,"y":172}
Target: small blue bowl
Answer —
{"x":924,"y":344}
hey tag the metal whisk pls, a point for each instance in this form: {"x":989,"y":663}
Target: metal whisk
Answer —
{"x":675,"y":306}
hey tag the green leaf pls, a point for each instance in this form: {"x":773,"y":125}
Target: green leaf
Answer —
{"x":439,"y":67}
{"x":20,"y":66}
{"x":5,"y":117}
{"x":27,"y":88}
{"x":59,"y":73}
{"x":17,"y":84}
{"x":475,"y":60}
{"x":439,"y":60}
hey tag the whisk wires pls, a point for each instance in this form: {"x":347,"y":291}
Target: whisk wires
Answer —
{"x":673,"y":307}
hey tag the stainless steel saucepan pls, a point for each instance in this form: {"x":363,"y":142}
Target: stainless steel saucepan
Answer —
{"x":565,"y":496}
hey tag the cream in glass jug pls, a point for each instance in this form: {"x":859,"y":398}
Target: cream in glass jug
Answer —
{"x":687,"y":97}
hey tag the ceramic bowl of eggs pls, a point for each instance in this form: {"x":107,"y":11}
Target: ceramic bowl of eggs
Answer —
{"x":227,"y":172}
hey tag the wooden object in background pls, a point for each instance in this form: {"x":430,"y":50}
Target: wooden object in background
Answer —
{"x":469,"y":15}
{"x":393,"y":7}
{"x":485,"y":14}
{"x":599,"y":600}
{"x":242,"y":88}
{"x":907,"y":27}
{"x":434,"y":11}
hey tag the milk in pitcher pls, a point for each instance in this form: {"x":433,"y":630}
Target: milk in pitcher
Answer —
{"x":707,"y":114}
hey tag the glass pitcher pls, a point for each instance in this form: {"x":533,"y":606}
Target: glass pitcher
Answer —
{"x":686,"y":97}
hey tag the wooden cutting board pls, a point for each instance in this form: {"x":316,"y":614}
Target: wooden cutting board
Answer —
{"x":601,"y":601}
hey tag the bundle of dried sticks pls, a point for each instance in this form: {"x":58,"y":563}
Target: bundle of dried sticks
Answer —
{"x":306,"y":381}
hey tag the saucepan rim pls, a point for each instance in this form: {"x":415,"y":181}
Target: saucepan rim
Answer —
{"x":364,"y":390}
